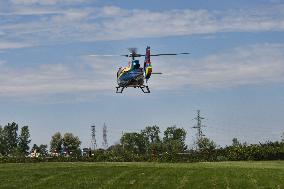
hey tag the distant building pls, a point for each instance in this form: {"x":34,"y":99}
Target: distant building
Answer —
{"x":34,"y":154}
{"x":86,"y":152}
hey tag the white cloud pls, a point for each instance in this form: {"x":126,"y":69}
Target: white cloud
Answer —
{"x":55,"y":23}
{"x":112,"y":11}
{"x":13,"y":45}
{"x":2,"y":61}
{"x":31,"y":11}
{"x":51,"y":79}
{"x":143,"y":23}
{"x":45,"y":2}
{"x":251,"y":65}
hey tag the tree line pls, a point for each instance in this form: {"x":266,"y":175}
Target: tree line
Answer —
{"x":146,"y":145}
{"x":17,"y":144}
{"x":12,"y":144}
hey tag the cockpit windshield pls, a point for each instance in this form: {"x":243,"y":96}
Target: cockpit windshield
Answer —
{"x":135,"y":64}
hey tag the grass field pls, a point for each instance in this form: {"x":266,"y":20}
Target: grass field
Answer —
{"x":268,"y":174}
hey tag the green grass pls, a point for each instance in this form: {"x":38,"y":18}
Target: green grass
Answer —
{"x":231,"y":175}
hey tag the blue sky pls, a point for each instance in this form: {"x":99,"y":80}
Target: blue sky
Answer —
{"x":234,"y":75}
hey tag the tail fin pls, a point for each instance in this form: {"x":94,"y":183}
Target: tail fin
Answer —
{"x":147,"y":64}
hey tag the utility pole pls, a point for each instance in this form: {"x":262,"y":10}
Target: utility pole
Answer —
{"x":198,"y":126}
{"x":105,"y":144}
{"x":93,"y":135}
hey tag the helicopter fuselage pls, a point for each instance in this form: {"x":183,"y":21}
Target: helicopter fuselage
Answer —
{"x":131,"y":76}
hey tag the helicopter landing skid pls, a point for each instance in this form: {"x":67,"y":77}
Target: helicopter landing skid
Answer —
{"x":144,"y":88}
{"x":119,"y":89}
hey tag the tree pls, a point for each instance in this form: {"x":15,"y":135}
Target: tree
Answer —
{"x":173,"y":143}
{"x":56,"y":143}
{"x":207,"y":148}
{"x":34,"y":148}
{"x":10,"y":138}
{"x":71,"y":143}
{"x":151,"y":133}
{"x":116,"y":152}
{"x":236,"y":142}
{"x":153,"y":141}
{"x":176,"y":137}
{"x":24,"y":141}
{"x":42,"y":149}
{"x":134,"y":143}
{"x":2,"y":142}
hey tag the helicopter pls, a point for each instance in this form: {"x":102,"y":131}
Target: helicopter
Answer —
{"x":134,"y":75}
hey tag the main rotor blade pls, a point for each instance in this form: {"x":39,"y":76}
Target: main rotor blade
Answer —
{"x":125,"y":55}
{"x":135,"y":55}
{"x":157,"y":73}
{"x":169,"y":54}
{"x":108,"y":55}
{"x":138,"y":55}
